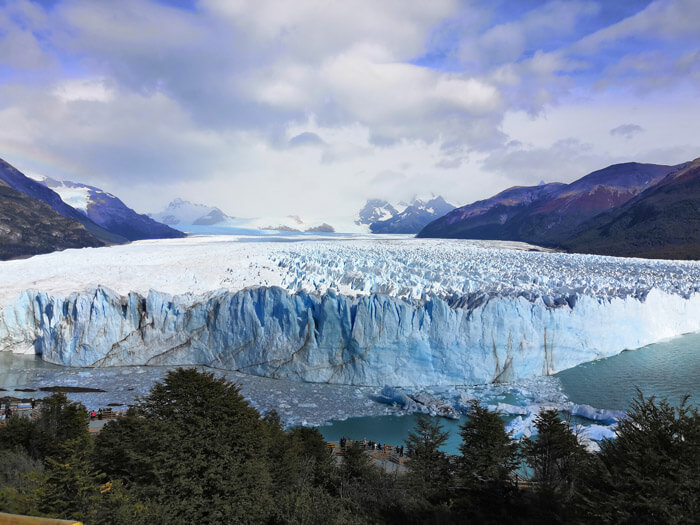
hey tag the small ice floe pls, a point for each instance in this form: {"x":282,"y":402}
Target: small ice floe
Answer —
{"x":592,"y":435}
{"x":522,"y":427}
{"x":597,"y":414}
{"x":417,"y":402}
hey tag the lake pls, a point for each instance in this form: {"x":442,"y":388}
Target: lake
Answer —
{"x":670,"y":369}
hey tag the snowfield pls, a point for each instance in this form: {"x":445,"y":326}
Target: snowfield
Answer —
{"x":406,"y":268}
{"x":343,"y":310}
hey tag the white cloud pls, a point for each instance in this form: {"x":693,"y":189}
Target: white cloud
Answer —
{"x":311,"y":30}
{"x":89,"y":89}
{"x":19,"y":47}
{"x":311,"y":107}
{"x":576,"y":138}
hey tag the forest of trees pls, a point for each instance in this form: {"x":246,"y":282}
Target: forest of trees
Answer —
{"x":194,"y":451}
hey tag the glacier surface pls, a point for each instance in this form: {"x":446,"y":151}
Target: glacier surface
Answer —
{"x":360,"y":312}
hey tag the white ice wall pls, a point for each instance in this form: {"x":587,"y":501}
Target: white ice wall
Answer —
{"x":364,"y":340}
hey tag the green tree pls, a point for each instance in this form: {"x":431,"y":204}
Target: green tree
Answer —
{"x":485,"y":470}
{"x":650,"y":473}
{"x":17,"y":433}
{"x":303,"y":473}
{"x":428,"y":466}
{"x":555,"y":455}
{"x":62,"y":482}
{"x":356,"y":464}
{"x":489,"y":454}
{"x":363,"y":488}
{"x":557,"y":461}
{"x":69,"y":487}
{"x":124,"y":449}
{"x":60,"y":421}
{"x":19,"y":475}
{"x":198,"y":450}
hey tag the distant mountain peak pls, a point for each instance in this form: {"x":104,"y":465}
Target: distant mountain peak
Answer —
{"x":106,"y":210}
{"x":181,"y":211}
{"x":402,"y":217}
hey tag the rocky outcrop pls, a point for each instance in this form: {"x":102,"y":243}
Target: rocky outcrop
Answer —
{"x":30,"y":227}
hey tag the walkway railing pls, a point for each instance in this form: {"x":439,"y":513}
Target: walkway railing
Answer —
{"x":385,"y":453}
{"x":16,"y":519}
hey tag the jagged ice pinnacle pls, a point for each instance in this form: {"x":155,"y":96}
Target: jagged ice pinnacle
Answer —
{"x":403,"y":313}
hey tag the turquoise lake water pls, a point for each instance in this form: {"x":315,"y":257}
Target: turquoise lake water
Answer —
{"x":669,"y":369}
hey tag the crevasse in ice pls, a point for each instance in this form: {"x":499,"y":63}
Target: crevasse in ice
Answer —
{"x":411,"y":313}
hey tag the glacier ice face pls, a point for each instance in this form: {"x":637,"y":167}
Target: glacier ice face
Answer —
{"x":364,"y":340}
{"x":363,"y":312}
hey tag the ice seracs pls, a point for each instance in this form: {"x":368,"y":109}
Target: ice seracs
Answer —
{"x":399,"y":313}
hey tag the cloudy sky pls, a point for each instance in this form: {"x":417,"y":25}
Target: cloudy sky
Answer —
{"x":311,"y":106}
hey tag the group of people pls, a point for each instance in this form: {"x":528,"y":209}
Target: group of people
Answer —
{"x":96,"y":415}
{"x":373,"y":445}
{"x":6,"y":411}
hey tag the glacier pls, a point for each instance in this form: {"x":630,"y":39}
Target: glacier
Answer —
{"x":409,"y":313}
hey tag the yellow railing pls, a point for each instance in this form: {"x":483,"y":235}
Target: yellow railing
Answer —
{"x":16,"y":519}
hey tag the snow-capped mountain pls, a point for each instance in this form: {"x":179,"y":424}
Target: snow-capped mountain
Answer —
{"x":29,"y":227}
{"x":380,"y":216}
{"x":108,"y":211}
{"x":376,"y":210}
{"x":200,"y":218}
{"x":17,"y":180}
{"x":414,"y":217}
{"x":181,"y":212}
{"x":377,"y":216}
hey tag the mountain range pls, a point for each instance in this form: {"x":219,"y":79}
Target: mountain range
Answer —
{"x":28,"y":226}
{"x":109,"y":212}
{"x":630,"y":209}
{"x":376,"y":216}
{"x":199,"y":218}
{"x":182,"y":212}
{"x":36,"y":190}
{"x":382,"y":217}
{"x":36,"y":219}
{"x":663,"y":221}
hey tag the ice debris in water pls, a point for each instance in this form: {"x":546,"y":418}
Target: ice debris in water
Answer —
{"x":312,"y":403}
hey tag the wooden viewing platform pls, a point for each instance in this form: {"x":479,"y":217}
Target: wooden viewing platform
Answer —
{"x":26,"y":410}
{"x":385,"y":458}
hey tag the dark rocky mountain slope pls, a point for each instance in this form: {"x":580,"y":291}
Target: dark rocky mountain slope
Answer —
{"x":548,"y":214}
{"x":110,"y":213}
{"x":18,"y":181}
{"x":490,"y":218}
{"x":29,"y":227}
{"x":661,"y":222}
